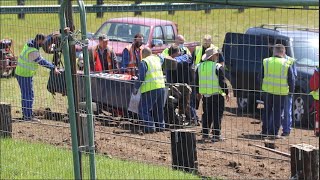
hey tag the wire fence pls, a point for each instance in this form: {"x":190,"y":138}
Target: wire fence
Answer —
{"x":128,"y":144}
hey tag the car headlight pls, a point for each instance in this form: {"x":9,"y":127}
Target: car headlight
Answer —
{"x":119,"y":59}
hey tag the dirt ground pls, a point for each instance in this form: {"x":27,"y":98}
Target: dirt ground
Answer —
{"x":230,"y":159}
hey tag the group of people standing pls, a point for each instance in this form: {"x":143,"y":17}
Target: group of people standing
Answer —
{"x":200,"y":75}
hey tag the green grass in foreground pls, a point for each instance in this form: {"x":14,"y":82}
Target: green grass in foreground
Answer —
{"x":24,"y":160}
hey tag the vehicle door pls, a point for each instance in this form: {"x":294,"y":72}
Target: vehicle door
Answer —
{"x":158,"y":39}
{"x":243,"y":60}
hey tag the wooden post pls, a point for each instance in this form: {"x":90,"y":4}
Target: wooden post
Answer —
{"x":100,"y":14}
{"x":5,"y":120}
{"x":184,"y":151}
{"x":21,"y":3}
{"x":137,"y":13}
{"x":304,"y":162}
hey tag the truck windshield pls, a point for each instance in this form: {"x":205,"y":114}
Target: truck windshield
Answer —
{"x":123,"y":32}
{"x":307,"y":52}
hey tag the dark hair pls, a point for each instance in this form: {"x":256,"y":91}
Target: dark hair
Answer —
{"x":173,"y":49}
{"x":40,"y":36}
{"x":139,"y":35}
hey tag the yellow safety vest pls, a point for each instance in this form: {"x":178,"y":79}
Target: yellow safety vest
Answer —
{"x":315,"y":94}
{"x":275,"y":79}
{"x":26,"y":67}
{"x":198,"y":53}
{"x":208,"y":79}
{"x":154,"y":76}
{"x":165,"y":52}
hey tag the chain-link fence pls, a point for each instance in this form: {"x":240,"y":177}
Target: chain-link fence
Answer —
{"x":178,"y":122}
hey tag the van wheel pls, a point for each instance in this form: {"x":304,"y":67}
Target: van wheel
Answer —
{"x":246,"y":105}
{"x":300,"y":111}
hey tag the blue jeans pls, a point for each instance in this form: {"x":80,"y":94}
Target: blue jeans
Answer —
{"x":287,"y":121}
{"x":27,"y":95}
{"x":151,"y":109}
{"x":273,"y":110}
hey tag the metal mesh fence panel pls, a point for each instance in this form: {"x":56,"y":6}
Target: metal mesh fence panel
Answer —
{"x":180,"y":124}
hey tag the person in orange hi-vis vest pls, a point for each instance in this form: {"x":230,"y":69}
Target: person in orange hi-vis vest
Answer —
{"x":104,"y":58}
{"x":132,"y":55}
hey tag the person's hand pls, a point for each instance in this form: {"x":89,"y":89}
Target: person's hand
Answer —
{"x":135,"y":91}
{"x":56,"y":71}
{"x":228,"y":98}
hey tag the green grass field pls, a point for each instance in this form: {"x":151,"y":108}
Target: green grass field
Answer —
{"x":193,"y":25}
{"x":24,"y":160}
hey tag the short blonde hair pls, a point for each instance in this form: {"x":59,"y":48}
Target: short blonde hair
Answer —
{"x":279,"y":49}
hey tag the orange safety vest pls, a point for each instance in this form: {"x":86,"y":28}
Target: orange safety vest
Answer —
{"x":132,"y":61}
{"x":98,"y":62}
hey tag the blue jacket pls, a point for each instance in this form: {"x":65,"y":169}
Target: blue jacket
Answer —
{"x":40,"y":60}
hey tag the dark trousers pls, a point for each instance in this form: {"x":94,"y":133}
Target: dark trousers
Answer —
{"x":27,"y":95}
{"x":273,"y":110}
{"x":213,"y":108}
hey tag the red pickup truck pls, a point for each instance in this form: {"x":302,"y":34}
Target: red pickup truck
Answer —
{"x":158,"y":34}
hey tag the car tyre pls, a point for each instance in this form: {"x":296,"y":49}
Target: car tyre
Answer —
{"x":301,"y":115}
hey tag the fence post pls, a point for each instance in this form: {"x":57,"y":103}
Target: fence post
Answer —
{"x":304,"y":162}
{"x":137,"y":13}
{"x":184,"y":150}
{"x":21,"y":3}
{"x":100,"y":14}
{"x":5,"y":120}
{"x":71,"y":105}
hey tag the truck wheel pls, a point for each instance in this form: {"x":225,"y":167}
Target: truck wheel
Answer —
{"x":246,"y":105}
{"x":6,"y":72}
{"x":300,"y":111}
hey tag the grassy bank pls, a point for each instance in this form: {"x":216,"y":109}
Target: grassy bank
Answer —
{"x":24,"y":160}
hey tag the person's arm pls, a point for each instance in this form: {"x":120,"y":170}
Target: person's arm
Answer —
{"x":36,"y":57}
{"x":291,"y":80}
{"x":193,"y":56}
{"x":142,"y":73}
{"x":125,"y":59}
{"x":197,"y":81}
{"x":222,"y":82}
{"x":113,"y":59}
{"x":294,"y":70}
{"x":221,"y":59}
{"x":184,"y":59}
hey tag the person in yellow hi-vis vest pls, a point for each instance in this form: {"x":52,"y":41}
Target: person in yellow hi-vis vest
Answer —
{"x":27,"y":65}
{"x":179,"y":41}
{"x":199,"y":51}
{"x":278,"y":82}
{"x":210,"y":83}
{"x":151,"y":84}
